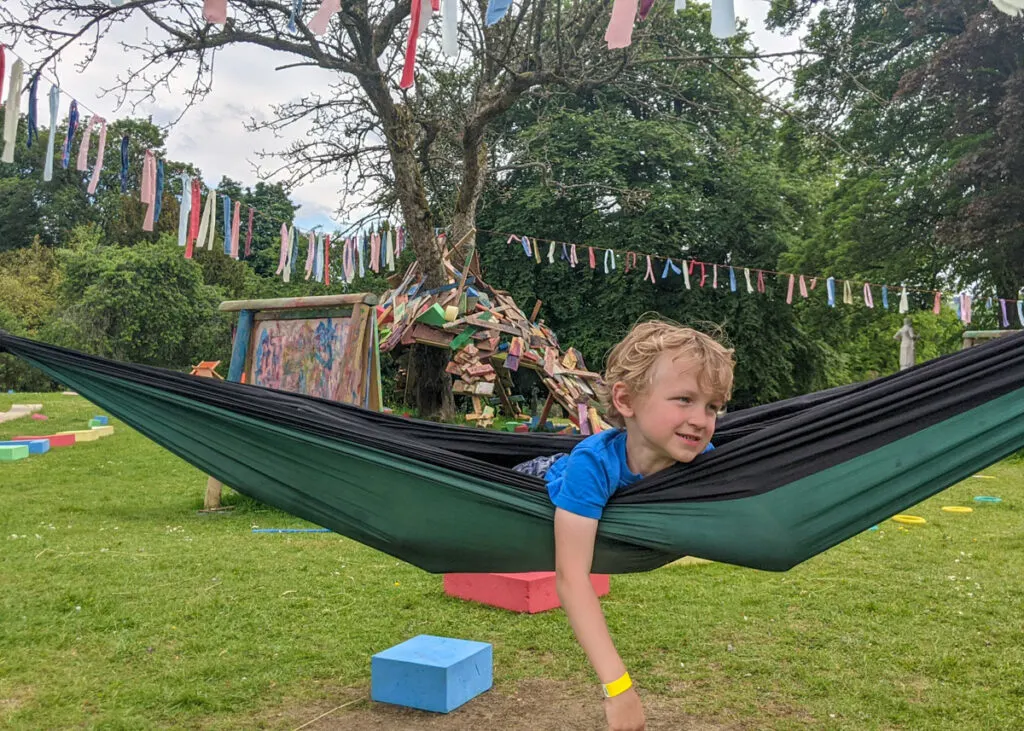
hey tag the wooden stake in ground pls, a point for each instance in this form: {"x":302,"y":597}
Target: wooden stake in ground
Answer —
{"x":214,"y":487}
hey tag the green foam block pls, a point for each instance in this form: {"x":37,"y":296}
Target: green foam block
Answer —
{"x":13,"y":452}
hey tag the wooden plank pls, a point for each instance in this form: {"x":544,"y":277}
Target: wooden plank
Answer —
{"x":289,"y":303}
{"x":545,"y":411}
{"x":303,"y":314}
{"x":536,"y":311}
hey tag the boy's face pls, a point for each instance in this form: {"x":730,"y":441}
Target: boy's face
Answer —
{"x":674,"y":419}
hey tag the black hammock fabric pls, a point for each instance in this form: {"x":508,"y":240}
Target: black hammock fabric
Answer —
{"x":786,"y":481}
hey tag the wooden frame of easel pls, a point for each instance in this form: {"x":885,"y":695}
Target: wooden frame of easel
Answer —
{"x":362,"y":349}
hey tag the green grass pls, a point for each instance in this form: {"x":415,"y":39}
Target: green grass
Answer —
{"x":122,"y":607}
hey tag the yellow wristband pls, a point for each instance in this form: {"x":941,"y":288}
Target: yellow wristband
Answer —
{"x":617,"y":687}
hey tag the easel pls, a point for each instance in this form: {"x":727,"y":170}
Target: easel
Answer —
{"x":211,"y":501}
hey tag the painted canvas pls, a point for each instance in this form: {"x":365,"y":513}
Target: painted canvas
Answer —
{"x":305,"y":356}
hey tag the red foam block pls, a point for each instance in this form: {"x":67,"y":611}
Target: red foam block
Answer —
{"x":56,"y":440}
{"x":530,"y":592}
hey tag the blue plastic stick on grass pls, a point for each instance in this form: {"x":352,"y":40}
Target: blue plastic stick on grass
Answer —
{"x":987,"y":499}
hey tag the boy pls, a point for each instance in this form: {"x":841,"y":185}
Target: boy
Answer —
{"x":664,"y":387}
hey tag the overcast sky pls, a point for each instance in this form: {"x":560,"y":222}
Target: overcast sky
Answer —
{"x":213,"y":136}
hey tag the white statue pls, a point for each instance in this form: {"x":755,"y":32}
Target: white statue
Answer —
{"x":906,"y":336}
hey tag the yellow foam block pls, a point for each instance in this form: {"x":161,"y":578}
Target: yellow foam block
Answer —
{"x":103,"y":431}
{"x":83,"y":436}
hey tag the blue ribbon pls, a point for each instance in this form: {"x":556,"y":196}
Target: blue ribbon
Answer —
{"x":1020,"y":312}
{"x":830,"y":284}
{"x":159,"y":189}
{"x":496,"y":10}
{"x":226,"y":200}
{"x":565,"y":253}
{"x":732,"y":279}
{"x":885,"y":297}
{"x":33,"y":114}
{"x":72,"y":126}
{"x":670,"y":263}
{"x":526,"y":246}
{"x":296,"y":7}
{"x":124,"y":164}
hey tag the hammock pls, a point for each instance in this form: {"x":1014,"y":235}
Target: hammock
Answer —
{"x":787,"y":480}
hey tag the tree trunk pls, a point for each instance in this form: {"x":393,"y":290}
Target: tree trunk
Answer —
{"x":430,"y":386}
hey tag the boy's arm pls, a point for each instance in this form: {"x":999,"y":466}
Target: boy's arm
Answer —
{"x":574,"y":553}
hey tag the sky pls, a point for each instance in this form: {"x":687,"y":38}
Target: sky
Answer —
{"x":213,"y":136}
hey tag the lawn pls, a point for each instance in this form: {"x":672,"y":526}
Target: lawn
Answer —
{"x":121,"y":606}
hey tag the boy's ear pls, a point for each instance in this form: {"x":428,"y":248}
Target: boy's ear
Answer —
{"x":622,"y":398}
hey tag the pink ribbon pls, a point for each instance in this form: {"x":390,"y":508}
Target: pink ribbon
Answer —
{"x":148,"y":193}
{"x":319,"y":22}
{"x":789,"y":291}
{"x":714,"y":279}
{"x":937,"y":305}
{"x":803,"y":287}
{"x":593,"y":263}
{"x":215,"y":11}
{"x":620,"y":27}
{"x":650,"y":271}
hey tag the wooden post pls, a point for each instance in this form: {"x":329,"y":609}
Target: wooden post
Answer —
{"x":207,"y":369}
{"x":536,"y":311}
{"x":213,"y":490}
{"x":240,"y":348}
{"x":544,"y":412}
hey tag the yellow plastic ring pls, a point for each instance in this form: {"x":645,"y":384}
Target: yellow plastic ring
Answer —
{"x":957,"y":509}
{"x":909,"y":519}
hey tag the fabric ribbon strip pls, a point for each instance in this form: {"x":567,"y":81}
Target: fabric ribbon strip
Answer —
{"x":590,"y":253}
{"x":803,"y":288}
{"x":703,"y":274}
{"x":159,"y":188}
{"x":310,"y":255}
{"x":760,"y":281}
{"x":847,"y":292}
{"x":732,"y":280}
{"x":72,"y":127}
{"x":236,"y":226}
{"x":885,"y":296}
{"x":650,"y":271}
{"x":670,"y":264}
{"x":124,"y":163}
{"x":1002,"y":306}
{"x":937,"y":304}
{"x":450,"y":28}
{"x":226,"y":205}
{"x":195,"y":213}
{"x":869,"y":300}
{"x":215,"y":11}
{"x":148,"y":192}
{"x":496,"y":10}
{"x":620,"y":27}
{"x":319,"y":22}
{"x":248,"y":232}
{"x":33,"y":109}
{"x":830,"y":285}
{"x":11,"y":110}
{"x":714,"y":277}
{"x":904,"y":303}
{"x":746,"y":275}
{"x":94,"y":181}
{"x":54,"y":109}
{"x":789,"y":290}
{"x":420,"y":13}
{"x":687,"y":267}
{"x":527,"y":249}
{"x":327,"y":259}
{"x":551,"y":253}
{"x":184,"y":208}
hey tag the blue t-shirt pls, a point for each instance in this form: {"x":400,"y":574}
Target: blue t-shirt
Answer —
{"x":583,"y":481}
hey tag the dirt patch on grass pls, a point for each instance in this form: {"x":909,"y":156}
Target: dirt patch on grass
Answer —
{"x":534,"y":705}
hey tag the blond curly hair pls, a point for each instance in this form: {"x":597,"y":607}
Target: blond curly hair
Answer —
{"x":632,"y":362}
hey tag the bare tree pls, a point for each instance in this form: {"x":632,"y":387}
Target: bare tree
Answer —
{"x":380,"y":136}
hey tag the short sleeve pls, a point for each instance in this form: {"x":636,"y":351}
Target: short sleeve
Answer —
{"x":585,"y":487}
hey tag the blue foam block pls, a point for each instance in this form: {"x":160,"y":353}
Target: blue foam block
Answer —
{"x":431,"y":673}
{"x":101,"y":420}
{"x":35,"y":446}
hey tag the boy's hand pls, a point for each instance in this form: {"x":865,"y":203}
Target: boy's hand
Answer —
{"x":624,"y":712}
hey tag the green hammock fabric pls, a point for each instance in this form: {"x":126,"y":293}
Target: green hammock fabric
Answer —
{"x":786,"y":482}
